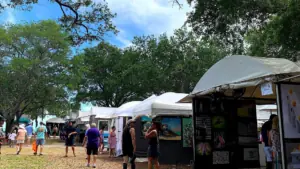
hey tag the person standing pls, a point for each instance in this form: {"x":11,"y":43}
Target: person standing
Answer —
{"x":129,"y":144}
{"x":41,"y":131}
{"x":101,"y":148}
{"x":12,"y":139}
{"x":153,"y":148}
{"x":70,"y":135}
{"x":112,"y":141}
{"x":93,"y":138}
{"x":29,"y":130}
{"x":274,"y":140}
{"x":21,"y":138}
{"x":55,"y":130}
{"x":2,"y":137}
{"x":265,"y":129}
{"x":2,"y":120}
{"x":84,"y":142}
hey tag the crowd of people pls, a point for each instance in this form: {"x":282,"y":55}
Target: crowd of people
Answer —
{"x":93,"y":141}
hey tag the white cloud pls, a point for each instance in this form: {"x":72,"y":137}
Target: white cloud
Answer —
{"x":147,"y":16}
{"x":10,"y":17}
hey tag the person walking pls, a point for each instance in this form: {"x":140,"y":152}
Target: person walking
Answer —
{"x":93,"y":139}
{"x":265,"y":129}
{"x":70,"y":135}
{"x":55,"y":131}
{"x":2,"y":138}
{"x":12,"y":139}
{"x":129,"y":144}
{"x":112,"y":141}
{"x":153,"y":148}
{"x":84,"y":142}
{"x":29,"y":130}
{"x":21,"y":138}
{"x":101,"y":147}
{"x":41,"y":132}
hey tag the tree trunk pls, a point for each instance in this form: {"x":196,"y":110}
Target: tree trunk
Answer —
{"x":36,"y":121}
{"x":9,"y":125}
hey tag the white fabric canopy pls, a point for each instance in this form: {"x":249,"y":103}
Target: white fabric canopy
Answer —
{"x":238,"y":71}
{"x":83,"y":113}
{"x":56,"y":120}
{"x":267,"y":107}
{"x":125,"y":110}
{"x":164,"y":104}
{"x":85,"y":119}
{"x":103,"y":112}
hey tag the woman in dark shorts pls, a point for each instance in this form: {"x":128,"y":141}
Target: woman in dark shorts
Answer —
{"x":153,"y":148}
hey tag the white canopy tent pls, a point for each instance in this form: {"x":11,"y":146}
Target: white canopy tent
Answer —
{"x":164,"y":104}
{"x":103,"y":112}
{"x":56,"y":120}
{"x":238,"y":71}
{"x":125,"y":110}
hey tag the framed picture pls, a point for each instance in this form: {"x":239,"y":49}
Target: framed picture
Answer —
{"x":187,"y":129}
{"x":171,"y":128}
{"x":145,"y":125}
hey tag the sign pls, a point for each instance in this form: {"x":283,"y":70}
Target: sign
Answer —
{"x":266,"y":89}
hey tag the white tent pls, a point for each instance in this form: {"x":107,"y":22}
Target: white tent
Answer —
{"x":238,"y":71}
{"x":103,"y":112}
{"x":164,"y":104}
{"x":125,"y":110}
{"x":56,"y":120}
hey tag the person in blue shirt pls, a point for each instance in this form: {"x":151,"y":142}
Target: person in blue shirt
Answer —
{"x":40,"y":131}
{"x":29,"y":130}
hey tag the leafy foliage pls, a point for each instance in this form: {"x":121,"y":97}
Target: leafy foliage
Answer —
{"x":84,"y":20}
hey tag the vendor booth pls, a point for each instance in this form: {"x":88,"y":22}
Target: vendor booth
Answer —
{"x":224,"y":111}
{"x":176,"y":137}
{"x":120,"y":117}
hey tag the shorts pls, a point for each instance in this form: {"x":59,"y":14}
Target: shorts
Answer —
{"x":69,"y":142}
{"x":268,"y":154}
{"x":128,"y":152}
{"x":29,"y":136}
{"x":153,"y":151}
{"x":40,"y":142}
{"x":20,"y":141}
{"x":92,"y":151}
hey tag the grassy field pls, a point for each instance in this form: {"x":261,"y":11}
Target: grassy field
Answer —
{"x":53,"y":158}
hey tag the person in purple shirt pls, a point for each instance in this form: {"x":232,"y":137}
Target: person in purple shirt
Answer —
{"x":84,"y":143}
{"x":93,"y":139}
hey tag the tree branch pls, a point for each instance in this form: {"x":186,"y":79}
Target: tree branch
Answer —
{"x":176,"y":2}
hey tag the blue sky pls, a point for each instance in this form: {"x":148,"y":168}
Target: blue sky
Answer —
{"x":134,"y":18}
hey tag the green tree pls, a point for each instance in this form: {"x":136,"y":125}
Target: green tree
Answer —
{"x":34,"y":71}
{"x":84,"y":20}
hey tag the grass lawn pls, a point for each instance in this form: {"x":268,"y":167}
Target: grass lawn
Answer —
{"x":53,"y":158}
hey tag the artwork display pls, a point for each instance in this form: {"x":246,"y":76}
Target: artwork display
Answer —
{"x":292,"y":151}
{"x":218,"y":122}
{"x":221,"y":157}
{"x":219,"y":140}
{"x":251,"y":154}
{"x":247,"y":140}
{"x":187,"y":128}
{"x":290,"y":97}
{"x":203,"y":127}
{"x":145,"y":125}
{"x":171,"y":128}
{"x":247,"y":128}
{"x":203,"y":149}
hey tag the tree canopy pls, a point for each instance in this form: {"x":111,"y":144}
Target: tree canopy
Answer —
{"x":84,"y":20}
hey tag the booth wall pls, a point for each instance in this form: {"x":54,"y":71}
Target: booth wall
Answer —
{"x":171,"y":152}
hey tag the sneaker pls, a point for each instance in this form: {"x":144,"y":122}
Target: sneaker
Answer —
{"x":35,"y":154}
{"x":41,"y":154}
{"x":94,"y":165}
{"x":87,"y":165}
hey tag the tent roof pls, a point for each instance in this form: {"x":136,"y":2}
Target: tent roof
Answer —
{"x":125,"y":110}
{"x":103,"y":112}
{"x":83,"y":114}
{"x":239,"y":71}
{"x":166,"y":101}
{"x":56,"y":120}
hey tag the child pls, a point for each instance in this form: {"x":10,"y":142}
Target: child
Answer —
{"x":112,"y":141}
{"x":2,"y":137}
{"x":11,"y":139}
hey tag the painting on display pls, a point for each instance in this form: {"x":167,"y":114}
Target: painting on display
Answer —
{"x":290,"y":97}
{"x":218,"y":122}
{"x":145,"y":125}
{"x":187,"y":128}
{"x":203,"y":127}
{"x":219,"y":140}
{"x":203,"y":149}
{"x":171,"y":128}
{"x":251,"y":154}
{"x":221,"y":157}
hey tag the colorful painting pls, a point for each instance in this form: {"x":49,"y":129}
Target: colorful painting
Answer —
{"x":219,"y":140}
{"x":218,"y":122}
{"x":145,"y":125}
{"x":171,"y":128}
{"x":187,"y":128}
{"x":203,"y":149}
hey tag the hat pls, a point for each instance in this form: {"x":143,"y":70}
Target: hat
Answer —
{"x":22,"y":126}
